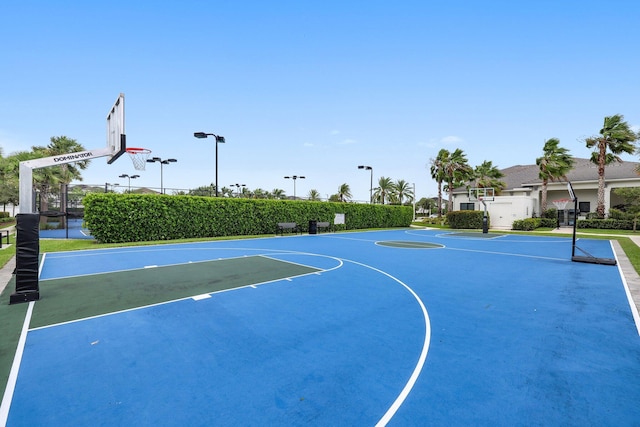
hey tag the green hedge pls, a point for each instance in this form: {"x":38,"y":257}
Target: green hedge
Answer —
{"x":117,"y":218}
{"x":466,"y":219}
{"x":606,"y":224}
{"x":529,"y":224}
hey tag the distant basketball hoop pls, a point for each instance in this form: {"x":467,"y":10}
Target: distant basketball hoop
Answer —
{"x":139,"y":157}
{"x":560,"y":204}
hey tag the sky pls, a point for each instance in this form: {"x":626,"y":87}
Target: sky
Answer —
{"x":316,"y":88}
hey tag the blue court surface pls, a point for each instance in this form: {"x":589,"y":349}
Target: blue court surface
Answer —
{"x":75,"y":230}
{"x":402,"y":328}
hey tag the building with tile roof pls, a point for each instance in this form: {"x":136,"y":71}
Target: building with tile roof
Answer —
{"x":521,"y":197}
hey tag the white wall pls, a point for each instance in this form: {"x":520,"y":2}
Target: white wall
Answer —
{"x":504,"y":209}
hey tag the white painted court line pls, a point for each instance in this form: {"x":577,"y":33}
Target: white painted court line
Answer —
{"x":423,"y":354}
{"x":632,"y":304}
{"x":201,"y":297}
{"x":15,"y":368}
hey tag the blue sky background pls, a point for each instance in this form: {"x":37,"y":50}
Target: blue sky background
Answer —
{"x":316,"y":88}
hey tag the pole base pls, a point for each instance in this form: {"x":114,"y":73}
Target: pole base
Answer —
{"x":19,"y":297}
{"x":593,"y":260}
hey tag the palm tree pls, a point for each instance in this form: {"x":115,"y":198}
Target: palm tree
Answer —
{"x":616,"y":137}
{"x":488,"y":176}
{"x":246,"y":193}
{"x":45,"y":178}
{"x":278,"y":193}
{"x":456,"y":170}
{"x":259,"y":193}
{"x":438,"y":173}
{"x":313,"y":195}
{"x":344,"y":192}
{"x":554,"y":164}
{"x":384,"y":189}
{"x":63,"y":145}
{"x":403,"y":190}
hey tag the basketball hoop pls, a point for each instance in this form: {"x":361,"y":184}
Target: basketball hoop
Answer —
{"x":139,"y":157}
{"x":560,"y":204}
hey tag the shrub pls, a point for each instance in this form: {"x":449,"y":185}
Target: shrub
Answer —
{"x":548,"y":222}
{"x":115,"y":218}
{"x":618,"y":214}
{"x":606,"y":224}
{"x":465,"y":219}
{"x":527,"y":224}
{"x":551,"y":213}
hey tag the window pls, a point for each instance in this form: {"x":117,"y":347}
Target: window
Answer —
{"x":584,"y":207}
{"x":467,"y":206}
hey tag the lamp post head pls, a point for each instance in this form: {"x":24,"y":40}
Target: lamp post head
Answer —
{"x":134,"y":176}
{"x":202,"y":135}
{"x":365,"y":167}
{"x":124,"y":175}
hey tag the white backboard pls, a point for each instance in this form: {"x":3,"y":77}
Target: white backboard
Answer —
{"x":116,"y":139}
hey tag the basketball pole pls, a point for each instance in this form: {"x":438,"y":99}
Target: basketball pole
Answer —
{"x":588,"y":258}
{"x":575,"y":225}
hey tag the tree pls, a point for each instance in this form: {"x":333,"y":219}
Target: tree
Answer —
{"x":205,"y":190}
{"x":278,"y":193}
{"x":403,"y":190}
{"x":45,"y":178}
{"x":488,"y":176}
{"x":314,"y":195}
{"x":631,"y":198}
{"x":615,"y":138}
{"x":59,"y":145}
{"x":438,"y":173}
{"x":457,"y":171}
{"x":259,"y":193}
{"x":554,"y":164}
{"x":384,"y":189}
{"x":426,"y":205}
{"x":344,"y":193}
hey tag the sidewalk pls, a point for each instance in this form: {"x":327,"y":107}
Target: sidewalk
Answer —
{"x":635,"y":237}
{"x":7,"y":271}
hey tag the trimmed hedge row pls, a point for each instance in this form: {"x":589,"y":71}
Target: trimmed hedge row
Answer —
{"x":529,"y":224}
{"x":466,"y":219}
{"x":118,"y":218}
{"x":606,"y":224}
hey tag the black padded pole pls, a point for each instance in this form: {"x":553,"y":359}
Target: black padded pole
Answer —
{"x":27,"y":254}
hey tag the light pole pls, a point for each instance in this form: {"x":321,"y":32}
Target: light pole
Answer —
{"x":294,"y":178}
{"x":219,"y":139}
{"x":124,"y":175}
{"x":369,"y":168}
{"x":238,"y":188}
{"x":414,"y":201}
{"x":162,"y":163}
{"x":107,"y":185}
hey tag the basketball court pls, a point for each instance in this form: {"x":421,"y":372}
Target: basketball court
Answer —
{"x":400,"y":327}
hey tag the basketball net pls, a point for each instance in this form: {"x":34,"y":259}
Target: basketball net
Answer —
{"x":560,"y":204}
{"x":139,"y":157}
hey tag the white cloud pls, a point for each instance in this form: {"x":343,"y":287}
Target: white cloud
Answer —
{"x":308,"y":144}
{"x":334,"y":132}
{"x":451,"y":139}
{"x":348,"y":141}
